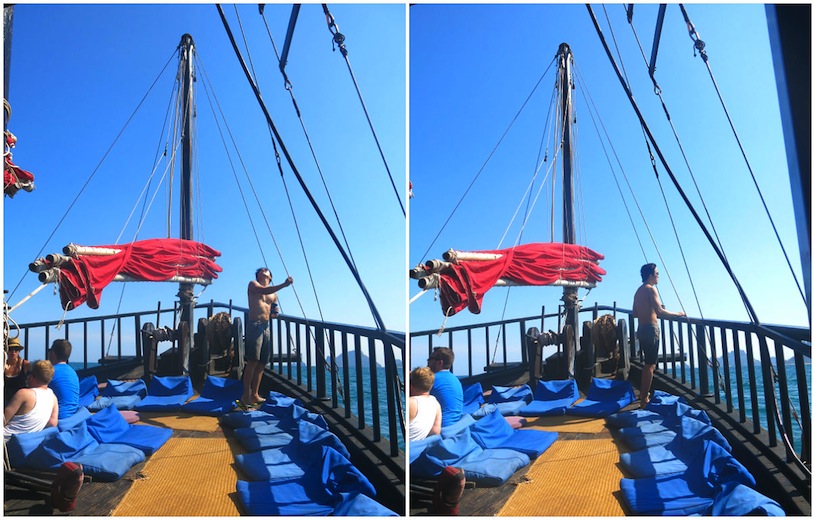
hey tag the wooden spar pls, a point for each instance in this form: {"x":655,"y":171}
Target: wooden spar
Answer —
{"x":185,"y":289}
{"x":452,"y":256}
{"x":570,"y":299}
{"x":431,"y":281}
{"x":75,"y":250}
{"x":52,"y":275}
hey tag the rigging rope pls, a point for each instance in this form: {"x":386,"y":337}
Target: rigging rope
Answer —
{"x":377,"y":318}
{"x":93,"y":173}
{"x":333,"y":369}
{"x":339,"y":39}
{"x":290,"y":88}
{"x":751,"y":312}
{"x":700,"y":45}
{"x":489,"y":157}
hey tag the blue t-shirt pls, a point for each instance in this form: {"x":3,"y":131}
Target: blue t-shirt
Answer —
{"x":65,"y":385}
{"x":447,"y":391}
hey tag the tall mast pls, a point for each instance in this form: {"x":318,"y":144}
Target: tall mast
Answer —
{"x":570,"y":300}
{"x":185,"y":290}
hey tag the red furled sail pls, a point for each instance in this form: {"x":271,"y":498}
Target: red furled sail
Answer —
{"x":14,"y":177}
{"x":83,"y":276}
{"x":464,"y":283}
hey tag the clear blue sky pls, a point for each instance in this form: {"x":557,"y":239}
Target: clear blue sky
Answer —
{"x":78,"y":73}
{"x":471,"y":68}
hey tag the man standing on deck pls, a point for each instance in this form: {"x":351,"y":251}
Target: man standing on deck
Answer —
{"x":262,"y":307}
{"x":446,"y":387}
{"x":647,"y":307}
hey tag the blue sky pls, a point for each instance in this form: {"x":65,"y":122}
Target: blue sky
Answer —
{"x":79,"y":71}
{"x":472,"y":67}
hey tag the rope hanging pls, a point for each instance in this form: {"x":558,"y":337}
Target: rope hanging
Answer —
{"x":339,"y":39}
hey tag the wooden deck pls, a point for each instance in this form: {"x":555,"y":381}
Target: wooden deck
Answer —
{"x":557,"y":483}
{"x":98,"y":498}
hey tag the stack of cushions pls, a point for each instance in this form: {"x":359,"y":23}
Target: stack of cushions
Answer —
{"x":124,"y":394}
{"x":551,"y":398}
{"x":489,"y":451}
{"x":605,"y":397}
{"x":105,"y":444}
{"x":682,"y":465}
{"x":217,"y":397}
{"x":296,"y":466}
{"x":166,"y":394}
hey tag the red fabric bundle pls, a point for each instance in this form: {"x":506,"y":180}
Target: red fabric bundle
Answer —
{"x":466,"y":282}
{"x":156,"y":260}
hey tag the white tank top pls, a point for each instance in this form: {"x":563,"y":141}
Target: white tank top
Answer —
{"x":419,"y":427}
{"x":37,"y":418}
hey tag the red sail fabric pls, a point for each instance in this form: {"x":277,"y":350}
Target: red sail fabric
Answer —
{"x":83,"y":277}
{"x":466,"y":282}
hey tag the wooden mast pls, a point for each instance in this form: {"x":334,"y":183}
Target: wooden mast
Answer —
{"x":570,"y":299}
{"x":185,"y":289}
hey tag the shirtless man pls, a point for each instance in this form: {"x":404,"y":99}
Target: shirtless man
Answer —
{"x":647,"y":307}
{"x":262,"y":307}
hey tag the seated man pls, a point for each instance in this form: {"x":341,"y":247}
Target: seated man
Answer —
{"x":32,"y":409}
{"x":446,"y":387}
{"x":65,"y":382}
{"x":424,"y":411}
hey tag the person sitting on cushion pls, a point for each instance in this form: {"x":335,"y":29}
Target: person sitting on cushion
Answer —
{"x":65,"y":382}
{"x":446,"y":387}
{"x":33,"y":408}
{"x":424,"y":410}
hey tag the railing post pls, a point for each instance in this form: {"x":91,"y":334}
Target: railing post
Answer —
{"x":701,"y":346}
{"x":319,"y":361}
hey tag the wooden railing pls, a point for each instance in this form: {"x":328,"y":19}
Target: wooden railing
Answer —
{"x":761,"y":373}
{"x":366,"y":383}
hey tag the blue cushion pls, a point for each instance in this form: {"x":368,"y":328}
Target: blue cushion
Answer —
{"x":249,"y":419}
{"x":108,"y":462}
{"x":107,"y":425}
{"x":166,"y":393}
{"x":473,"y":398}
{"x":122,"y":402}
{"x":546,"y":408}
{"x":504,"y":394}
{"x":736,"y":499}
{"x":272,"y":464}
{"x":145,"y":438}
{"x":462,"y":424}
{"x":21,"y":445}
{"x":116,"y":388}
{"x":556,"y":390}
{"x":417,"y":447}
{"x":88,"y":390}
{"x":263,"y":437}
{"x":605,"y":397}
{"x":82,"y":414}
{"x":492,"y":467}
{"x":62,"y":447}
{"x":667,"y":495}
{"x":448,"y":451}
{"x":493,"y":431}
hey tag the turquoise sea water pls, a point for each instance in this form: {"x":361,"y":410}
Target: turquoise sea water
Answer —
{"x":792,"y":389}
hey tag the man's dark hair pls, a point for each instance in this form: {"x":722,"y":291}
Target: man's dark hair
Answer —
{"x":446,"y":355}
{"x":261,"y":269}
{"x":647,"y":270}
{"x":61,"y":349}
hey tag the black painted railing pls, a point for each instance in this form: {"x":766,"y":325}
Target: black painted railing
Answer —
{"x":368,"y":367}
{"x":761,"y":373}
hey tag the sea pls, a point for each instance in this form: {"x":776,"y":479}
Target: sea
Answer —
{"x":792,"y":386}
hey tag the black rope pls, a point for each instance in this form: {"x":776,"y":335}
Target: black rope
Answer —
{"x":700,"y":45}
{"x":375,"y":313}
{"x":339,"y":39}
{"x":95,"y":170}
{"x":489,"y":157}
{"x":750,"y":310}
{"x":290,"y":88}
